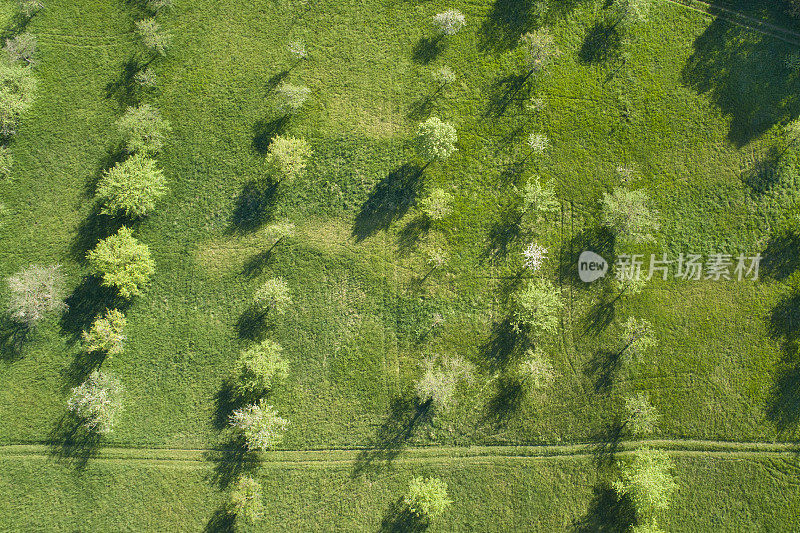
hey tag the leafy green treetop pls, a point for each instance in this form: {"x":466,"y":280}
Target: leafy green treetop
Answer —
{"x":259,"y":367}
{"x":289,"y":155}
{"x":647,"y":481}
{"x":260,"y":425}
{"x":122,"y":262}
{"x":537,"y":306}
{"x":427,"y":497}
{"x":628,"y":215}
{"x":131,"y":187}
{"x":246,"y":500}
{"x":435,"y":139}
{"x":97,"y":402}
{"x":143,"y":129}
{"x":106,"y":334}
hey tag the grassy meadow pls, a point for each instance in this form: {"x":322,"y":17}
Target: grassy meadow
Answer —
{"x":696,"y":104}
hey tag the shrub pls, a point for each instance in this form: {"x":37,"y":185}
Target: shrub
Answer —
{"x":21,"y":48}
{"x":259,"y":367}
{"x":436,"y":205}
{"x":153,"y":37}
{"x":260,"y":425}
{"x":245,"y":500}
{"x":641,"y":416}
{"x":157,"y":5}
{"x":538,"y":143}
{"x":533,"y":256}
{"x":146,"y":78}
{"x":131,"y":187}
{"x":122,"y":262}
{"x":291,"y":97}
{"x":443,"y":77}
{"x":535,"y":370}
{"x":35,"y":291}
{"x":637,"y":338}
{"x":143,"y":129}
{"x":647,"y":482}
{"x":97,"y":402}
{"x":435,"y":139}
{"x":273,"y":296}
{"x":539,"y":200}
{"x":297,"y":49}
{"x":450,"y":22}
{"x":6,"y":162}
{"x":628,"y":215}
{"x":438,"y":382}
{"x":539,"y":50}
{"x":106,"y":334}
{"x":17,"y":91}
{"x":537,"y":305}
{"x":288,"y":156}
{"x":28,"y":8}
{"x":427,"y":497}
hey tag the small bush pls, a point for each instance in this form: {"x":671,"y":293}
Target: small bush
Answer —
{"x":427,"y":497}
{"x":288,"y":156}
{"x":441,"y":377}
{"x":291,"y":97}
{"x":245,"y":500}
{"x":21,"y":48}
{"x":537,"y":306}
{"x":539,"y":50}
{"x":450,"y":22}
{"x":273,"y":296}
{"x":97,"y":402}
{"x":28,"y":8}
{"x":297,"y":49}
{"x":143,"y":129}
{"x":628,"y":215}
{"x":259,"y":368}
{"x":146,"y":78}
{"x":260,"y":425}
{"x":435,"y":139}
{"x":153,"y":37}
{"x":131,"y":187}
{"x":106,"y":334}
{"x":17,"y":92}
{"x":641,"y":416}
{"x":436,"y":205}
{"x":36,"y":291}
{"x":122,"y":262}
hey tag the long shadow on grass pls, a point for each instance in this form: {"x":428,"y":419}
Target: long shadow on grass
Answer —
{"x":606,"y":443}
{"x":222,"y":521}
{"x":266,"y":130}
{"x":124,"y":88}
{"x":602,"y":43}
{"x":764,"y":173}
{"x":427,"y":49}
{"x":783,"y":406}
{"x":95,"y":227}
{"x":87,"y":301}
{"x":13,"y":336}
{"x":594,"y":239}
{"x":70,"y":442}
{"x":504,"y":232}
{"x":780,"y":257}
{"x":607,"y":513}
{"x":744,"y":73}
{"x":399,"y":519}
{"x":505,"y":402}
{"x":507,"y":91}
{"x":507,"y":20}
{"x":604,"y":366}
{"x":232,"y":461}
{"x":391,"y":198}
{"x":405,"y":418}
{"x":505,"y":345}
{"x":254,"y":207}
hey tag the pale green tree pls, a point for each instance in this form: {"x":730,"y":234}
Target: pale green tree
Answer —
{"x":106,"y":334}
{"x":35,"y":292}
{"x":427,"y":497}
{"x":131,"y":187}
{"x":537,"y":306}
{"x":273,"y":296}
{"x":288,"y":156}
{"x":628,"y":214}
{"x":122,"y":262}
{"x":640,"y":415}
{"x":260,"y":367}
{"x":96,"y":402}
{"x":246,"y":500}
{"x":435,"y":140}
{"x":646,"y":480}
{"x":260,"y":425}
{"x":143,"y":129}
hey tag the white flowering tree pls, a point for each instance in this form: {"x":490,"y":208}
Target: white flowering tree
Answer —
{"x":260,"y":425}
{"x":533,"y":256}
{"x":96,"y":403}
{"x":436,"y":140}
{"x":35,"y":291}
{"x":450,"y":22}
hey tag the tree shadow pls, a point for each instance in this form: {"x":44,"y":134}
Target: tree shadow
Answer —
{"x":505,"y":231}
{"x":226,"y":401}
{"x":266,"y":130}
{"x":89,"y":299}
{"x":505,"y":402}
{"x":254,"y":266}
{"x":606,"y":443}
{"x":412,"y":232}
{"x":70,"y":442}
{"x":81,"y":366}
{"x":506,"y":344}
{"x":743,"y":73}
{"x":276,"y":79}
{"x":13,"y":336}
{"x":593,"y":239}
{"x":222,"y":521}
{"x":427,"y":49}
{"x":232,"y":461}
{"x":608,"y":513}
{"x":116,"y":153}
{"x":604,"y":366}
{"x":124,"y":88}
{"x":783,"y":406}
{"x":602,"y":42}
{"x":399,"y":519}
{"x":421,"y":108}
{"x":764,"y":173}
{"x":780,"y":258}
{"x":254,"y":324}
{"x":602,"y":313}
{"x":507,"y":20}
{"x":506,"y":91}
{"x":391,"y":198}
{"x":404,"y":419}
{"x":93,"y":229}
{"x":254,"y":207}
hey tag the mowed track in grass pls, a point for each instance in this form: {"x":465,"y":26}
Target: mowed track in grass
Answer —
{"x":696,"y":107}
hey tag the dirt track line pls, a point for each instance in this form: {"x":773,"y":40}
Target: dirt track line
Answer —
{"x":471,"y":454}
{"x":735,"y":17}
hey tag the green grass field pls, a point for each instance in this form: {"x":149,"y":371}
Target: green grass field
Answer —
{"x":694,"y":102}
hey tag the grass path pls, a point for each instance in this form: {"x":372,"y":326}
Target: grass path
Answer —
{"x":419,"y":454}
